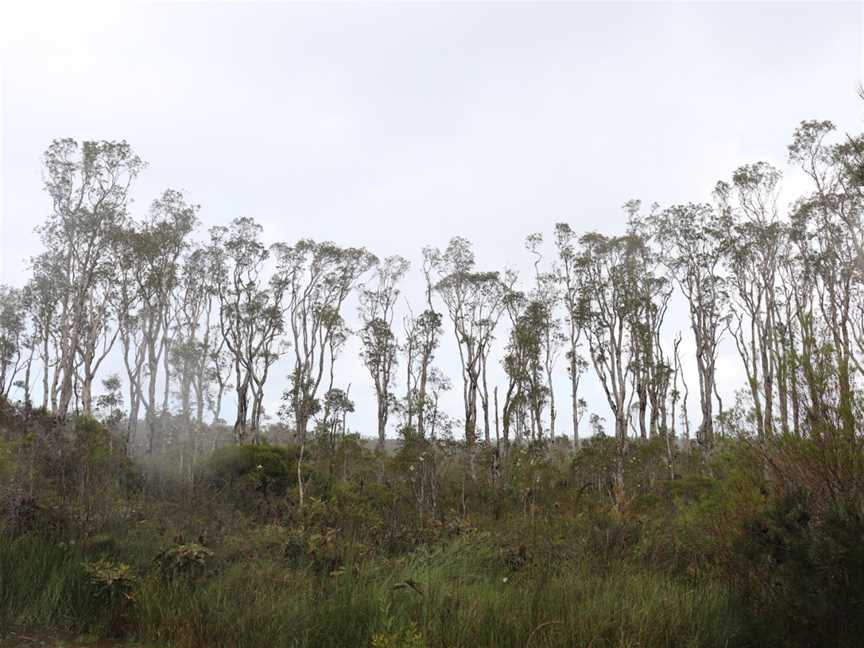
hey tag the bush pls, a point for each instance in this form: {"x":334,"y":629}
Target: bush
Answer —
{"x":805,"y":571}
{"x":262,"y":469}
{"x":113,"y":588}
{"x":184,"y":561}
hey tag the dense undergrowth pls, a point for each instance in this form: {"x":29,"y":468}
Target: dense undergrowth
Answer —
{"x":752,"y":544}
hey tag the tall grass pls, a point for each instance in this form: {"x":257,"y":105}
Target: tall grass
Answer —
{"x":461,"y":594}
{"x":43,"y":584}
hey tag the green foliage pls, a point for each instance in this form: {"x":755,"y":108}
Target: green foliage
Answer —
{"x":186,"y":561}
{"x":113,"y":588}
{"x":251,"y":469}
{"x":429,"y":544}
{"x":43,"y":583}
{"x":394,"y":635}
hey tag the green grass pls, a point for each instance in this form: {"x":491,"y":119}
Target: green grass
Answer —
{"x":43,"y":584}
{"x":460,"y":594}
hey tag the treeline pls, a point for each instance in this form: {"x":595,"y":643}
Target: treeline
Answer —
{"x":194,"y":321}
{"x":532,"y":530}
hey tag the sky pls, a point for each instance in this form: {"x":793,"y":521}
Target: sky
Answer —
{"x":396,"y":126}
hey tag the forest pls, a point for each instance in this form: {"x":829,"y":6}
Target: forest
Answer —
{"x":181,"y":463}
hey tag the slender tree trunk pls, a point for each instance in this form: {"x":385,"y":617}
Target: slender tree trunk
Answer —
{"x":574,"y":395}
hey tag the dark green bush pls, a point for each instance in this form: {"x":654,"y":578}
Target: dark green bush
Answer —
{"x":805,"y":570}
{"x":263,"y":469}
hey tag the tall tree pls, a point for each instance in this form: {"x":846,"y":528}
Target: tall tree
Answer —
{"x":195,"y":334}
{"x":609,"y":270}
{"x":380,"y":345}
{"x":566,"y":242}
{"x":693,"y":238}
{"x":527,"y":392}
{"x":250,"y":314}
{"x":422,"y":337}
{"x":827,"y":225}
{"x":43,"y":294}
{"x":88,"y":185}
{"x":752,"y":246}
{"x":547,"y":295}
{"x":475,"y":302}
{"x":154,"y":248}
{"x":12,"y":333}
{"x":315,"y":279}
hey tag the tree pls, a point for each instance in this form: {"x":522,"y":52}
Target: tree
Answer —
{"x":653,"y":289}
{"x":693,"y":242}
{"x":380,"y":345}
{"x":547,"y":295}
{"x":195,"y":331}
{"x":250,"y":314}
{"x":827,"y":226}
{"x":611,"y":299}
{"x":152,"y":251}
{"x":752,"y":244}
{"x":12,"y":331}
{"x":339,"y":405}
{"x":315,"y":279}
{"x":566,"y":243}
{"x":88,"y":185}
{"x":527,"y":391}
{"x":110,"y":402}
{"x":422,"y":337}
{"x":42,"y":298}
{"x":475,"y":302}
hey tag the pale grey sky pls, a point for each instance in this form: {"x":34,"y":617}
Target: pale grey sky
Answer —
{"x":396,"y":126}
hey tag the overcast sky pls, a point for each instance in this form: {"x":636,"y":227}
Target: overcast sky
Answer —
{"x":398,"y":126}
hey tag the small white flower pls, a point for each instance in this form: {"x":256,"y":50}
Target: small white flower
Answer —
{"x":259,"y":467}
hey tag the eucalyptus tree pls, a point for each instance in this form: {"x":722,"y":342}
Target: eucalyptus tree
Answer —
{"x":338,"y":404}
{"x":523,"y":362}
{"x":788,"y":340}
{"x":88,"y":184}
{"x":25,"y":382}
{"x":679,"y":371}
{"x":130,"y":323}
{"x":192,"y":328}
{"x":380,"y":346}
{"x":475,"y":303}
{"x":314,"y":279}
{"x":13,"y":327}
{"x":653,"y":290}
{"x":250,"y":314}
{"x":514,"y":363}
{"x":336,"y":344}
{"x":829,"y":233}
{"x":422,"y":338}
{"x":693,"y":240}
{"x":196,"y":334}
{"x":110,"y":402}
{"x":42,"y":299}
{"x":608,"y":269}
{"x":566,"y":243}
{"x":753,"y":244}
{"x":437,"y":422}
{"x":217,"y":373}
{"x":546,"y":297}
{"x":674,"y":395}
{"x":98,"y":330}
{"x":153,"y":249}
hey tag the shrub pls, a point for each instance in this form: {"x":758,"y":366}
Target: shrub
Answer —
{"x":262,"y":469}
{"x":186,"y":561}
